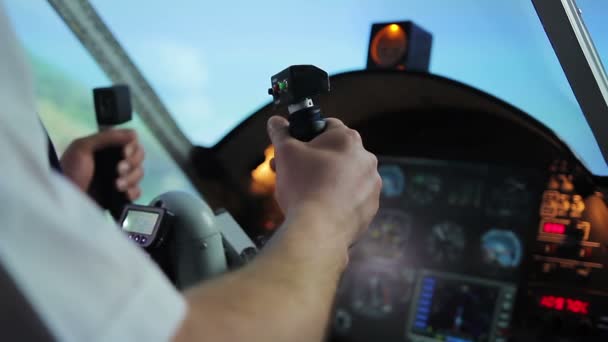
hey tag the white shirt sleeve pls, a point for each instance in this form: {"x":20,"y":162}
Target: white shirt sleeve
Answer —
{"x":83,"y":277}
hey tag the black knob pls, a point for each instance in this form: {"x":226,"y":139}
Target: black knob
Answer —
{"x":306,"y":124}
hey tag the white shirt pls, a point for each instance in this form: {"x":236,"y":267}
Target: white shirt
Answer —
{"x":83,"y":277}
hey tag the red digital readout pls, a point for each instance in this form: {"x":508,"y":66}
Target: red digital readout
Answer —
{"x":554,"y":228}
{"x":565,"y":304}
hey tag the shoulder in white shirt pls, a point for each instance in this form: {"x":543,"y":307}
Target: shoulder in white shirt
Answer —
{"x":82,"y":276}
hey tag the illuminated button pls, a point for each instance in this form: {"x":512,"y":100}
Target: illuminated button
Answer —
{"x":550,"y":196}
{"x":143,"y":239}
{"x":136,"y":238}
{"x":563,"y":205}
{"x":585,"y":252}
{"x":130,"y":236}
{"x":548,"y":211}
{"x":583,"y":272}
{"x":584,"y":228}
{"x":274,"y":90}
{"x":577,"y":207}
{"x":550,"y":203}
{"x":553,"y":183}
{"x":554,"y":228}
{"x":567,"y":185}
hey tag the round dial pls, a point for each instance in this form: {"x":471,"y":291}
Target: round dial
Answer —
{"x":509,"y":198}
{"x":373,"y":296}
{"x":393,"y":181}
{"x":446,"y":242}
{"x":387,"y":235}
{"x":424,"y":188}
{"x":501,"y":248}
{"x":378,"y":288}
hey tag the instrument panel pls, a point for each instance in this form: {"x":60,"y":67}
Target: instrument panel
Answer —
{"x":522,"y":219}
{"x":445,"y":230}
{"x":466,"y":252}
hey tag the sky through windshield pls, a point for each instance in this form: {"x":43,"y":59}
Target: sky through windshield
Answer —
{"x":210,"y":61}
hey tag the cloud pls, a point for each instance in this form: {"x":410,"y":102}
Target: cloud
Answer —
{"x":179,"y":74}
{"x":178,"y":65}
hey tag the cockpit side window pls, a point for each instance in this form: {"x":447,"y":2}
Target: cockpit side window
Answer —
{"x":64,"y":94}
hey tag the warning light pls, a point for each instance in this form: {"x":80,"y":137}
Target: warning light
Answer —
{"x":263,"y":178}
{"x":565,"y":304}
{"x":394,"y":28}
{"x":389,"y":45}
{"x":400,"y":45}
{"x":554,"y":228}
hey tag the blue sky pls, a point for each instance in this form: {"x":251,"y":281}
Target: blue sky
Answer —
{"x":211,"y":60}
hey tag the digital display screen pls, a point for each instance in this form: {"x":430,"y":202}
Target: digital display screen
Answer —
{"x":142,"y":222}
{"x":454,"y":309}
{"x":554,"y":228}
{"x":564,"y":304}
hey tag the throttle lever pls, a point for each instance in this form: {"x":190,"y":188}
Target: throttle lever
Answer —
{"x":112,"y":107}
{"x":298,"y":86}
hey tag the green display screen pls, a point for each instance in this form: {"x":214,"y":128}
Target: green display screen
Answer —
{"x":141,"y":222}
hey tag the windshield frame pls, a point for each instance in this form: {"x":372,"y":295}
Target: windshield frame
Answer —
{"x":580,"y":61}
{"x":93,"y":33}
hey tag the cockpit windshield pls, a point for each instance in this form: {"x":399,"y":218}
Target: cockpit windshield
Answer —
{"x":210,"y":61}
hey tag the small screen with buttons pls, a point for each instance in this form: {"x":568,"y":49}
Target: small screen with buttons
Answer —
{"x":146,"y":225}
{"x":452,"y":307}
{"x":140,"y":222}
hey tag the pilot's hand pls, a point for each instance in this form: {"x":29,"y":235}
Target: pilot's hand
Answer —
{"x":332,"y":176}
{"x":78,"y":161}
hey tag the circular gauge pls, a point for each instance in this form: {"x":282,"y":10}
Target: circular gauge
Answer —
{"x":509,"y":198}
{"x":376,"y":288}
{"x":447,"y":242}
{"x":373,"y":297}
{"x":389,"y":45}
{"x":501,"y":248}
{"x":424,"y":188}
{"x":387,"y":235}
{"x":393,"y":181}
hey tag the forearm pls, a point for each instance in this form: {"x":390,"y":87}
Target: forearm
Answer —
{"x":285,"y":294}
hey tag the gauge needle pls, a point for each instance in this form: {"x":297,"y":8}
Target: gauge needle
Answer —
{"x":441,"y":233}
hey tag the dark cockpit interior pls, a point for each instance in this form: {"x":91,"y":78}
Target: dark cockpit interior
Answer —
{"x":489,"y":228}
